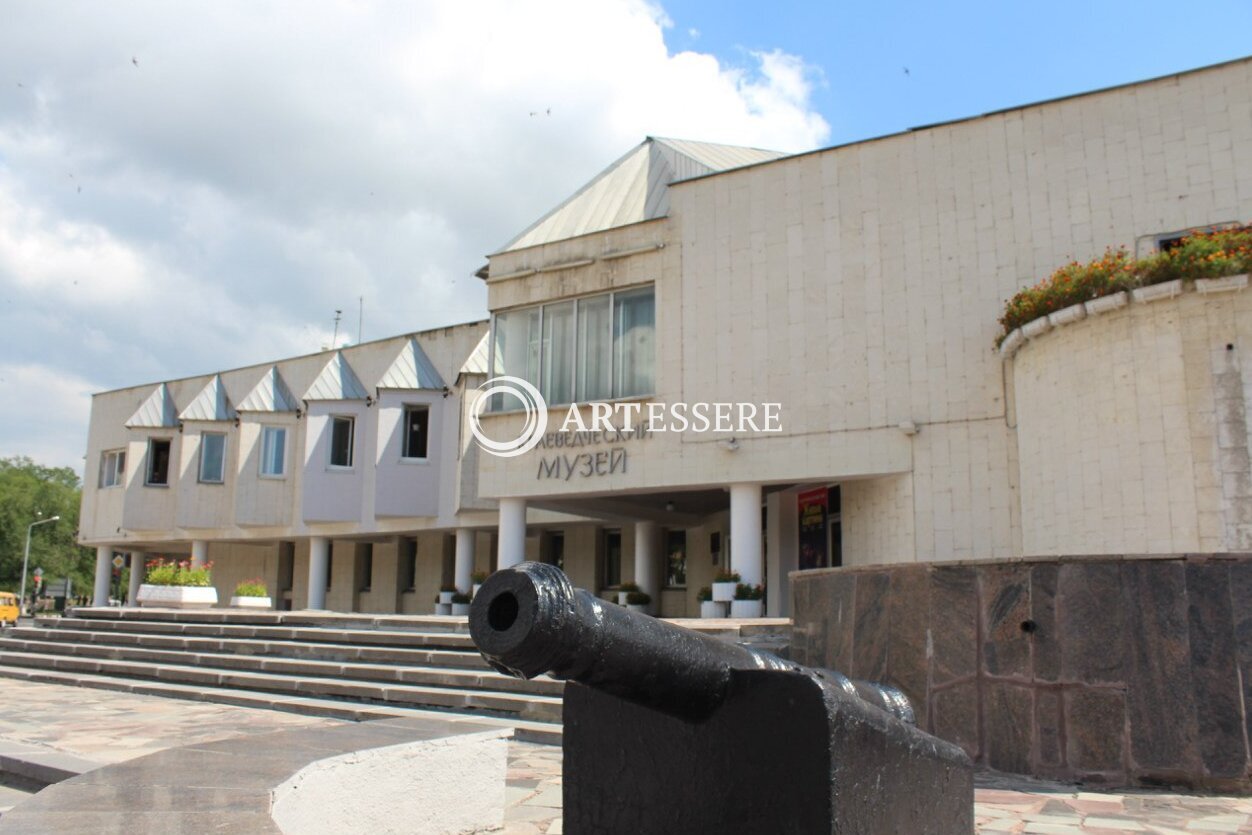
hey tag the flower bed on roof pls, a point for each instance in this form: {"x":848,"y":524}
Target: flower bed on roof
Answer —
{"x":1202,"y":255}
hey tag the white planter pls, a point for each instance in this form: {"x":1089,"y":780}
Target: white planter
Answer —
{"x":747,"y":608}
{"x":443,"y":608}
{"x":1011,"y":343}
{"x":638,"y":607}
{"x":712,"y":609}
{"x":251,"y":602}
{"x":621,"y":598}
{"x":1066,"y":315}
{"x":1221,"y":285}
{"x":1040,"y":326}
{"x":724,"y":592}
{"x":177,"y":597}
{"x":460,"y":609}
{"x":446,"y":597}
{"x":1156,"y":292}
{"x":1104,"y":304}
{"x":474,"y":590}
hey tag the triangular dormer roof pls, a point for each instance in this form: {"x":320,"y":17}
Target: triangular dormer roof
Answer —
{"x":270,"y":394}
{"x":476,"y":363}
{"x":635,"y":188}
{"x":210,"y":404}
{"x":157,"y":412}
{"x":337,"y":382}
{"x":412,"y":369}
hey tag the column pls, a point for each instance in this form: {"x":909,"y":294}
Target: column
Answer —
{"x":782,"y":549}
{"x":319,"y":564}
{"x":137,"y":569}
{"x":745,"y":532}
{"x":464,"y":572}
{"x":104,"y":572}
{"x":199,"y":553}
{"x":647,"y":561}
{"x":512,"y":541}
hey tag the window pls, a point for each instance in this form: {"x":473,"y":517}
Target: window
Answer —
{"x":408,"y":564}
{"x":273,"y":450}
{"x":212,"y":458}
{"x":593,"y":348}
{"x":365,"y":564}
{"x":612,"y":558}
{"x":416,"y":431}
{"x":112,"y":467}
{"x":158,"y":462}
{"x":676,"y":558}
{"x":341,"y":431}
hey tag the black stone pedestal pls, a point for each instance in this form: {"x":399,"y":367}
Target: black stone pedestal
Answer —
{"x":787,"y":752}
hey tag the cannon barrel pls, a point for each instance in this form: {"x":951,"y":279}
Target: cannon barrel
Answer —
{"x":529,"y":619}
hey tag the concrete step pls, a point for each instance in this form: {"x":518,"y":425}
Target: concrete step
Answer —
{"x":484,"y":679}
{"x":268,"y":617}
{"x":357,"y":637}
{"x":531,"y":731}
{"x":453,"y":658}
{"x":524,"y":706}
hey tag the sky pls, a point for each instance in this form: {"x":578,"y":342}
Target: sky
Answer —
{"x":194,"y":186}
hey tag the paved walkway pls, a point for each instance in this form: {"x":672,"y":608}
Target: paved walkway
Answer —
{"x":107,"y":727}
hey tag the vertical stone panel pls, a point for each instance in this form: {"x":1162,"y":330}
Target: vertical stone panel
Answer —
{"x":1008,"y":714}
{"x":908,"y":615}
{"x":954,"y":715}
{"x":1046,"y":639}
{"x":1049,"y":748}
{"x":1005,"y":598}
{"x":954,"y":628}
{"x":840,"y":622}
{"x":1093,"y":622}
{"x":1213,"y":672}
{"x":869,"y":653}
{"x":1095,"y":724}
{"x":1241,"y":608}
{"x":1156,"y":595}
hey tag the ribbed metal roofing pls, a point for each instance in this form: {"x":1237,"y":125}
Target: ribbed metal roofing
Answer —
{"x":477,"y":361}
{"x":337,"y":382}
{"x":412,"y":369}
{"x":210,"y":404}
{"x":157,"y":412}
{"x":270,"y":395}
{"x":635,"y":188}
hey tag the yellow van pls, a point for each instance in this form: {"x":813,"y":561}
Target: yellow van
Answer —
{"x":8,"y":608}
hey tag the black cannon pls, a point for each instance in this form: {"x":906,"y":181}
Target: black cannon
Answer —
{"x":668,"y":730}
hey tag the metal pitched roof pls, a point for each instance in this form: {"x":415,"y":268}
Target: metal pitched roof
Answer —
{"x":635,"y":188}
{"x":158,"y":411}
{"x":270,"y":394}
{"x":337,"y":382}
{"x":210,"y":404}
{"x":476,"y":363}
{"x":412,"y":369}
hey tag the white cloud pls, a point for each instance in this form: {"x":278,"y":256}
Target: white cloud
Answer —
{"x":264,"y":165}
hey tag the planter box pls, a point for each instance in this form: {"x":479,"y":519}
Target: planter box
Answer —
{"x":460,"y":609}
{"x":252,"y":602}
{"x":747,"y":608}
{"x":724,"y":592}
{"x":1156,"y":292}
{"x":712,"y":609}
{"x":474,"y":590}
{"x":177,"y":597}
{"x":443,"y":608}
{"x":638,"y":607}
{"x":1104,"y":304}
{"x":1221,"y":285}
{"x":621,"y":598}
{"x":1011,"y":343}
{"x":446,"y":597}
{"x":1066,"y":315}
{"x":1035,"y":329}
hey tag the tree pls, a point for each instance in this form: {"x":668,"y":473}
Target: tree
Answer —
{"x":29,"y":492}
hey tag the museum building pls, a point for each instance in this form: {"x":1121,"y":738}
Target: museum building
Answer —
{"x":1024,"y":537}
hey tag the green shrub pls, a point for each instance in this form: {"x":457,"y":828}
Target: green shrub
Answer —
{"x":745,"y":592}
{"x":705,"y":594}
{"x":251,"y":588}
{"x":638,"y":598}
{"x":178,"y":573}
{"x":725,"y":576}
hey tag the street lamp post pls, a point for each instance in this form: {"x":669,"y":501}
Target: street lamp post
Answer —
{"x":26,"y":555}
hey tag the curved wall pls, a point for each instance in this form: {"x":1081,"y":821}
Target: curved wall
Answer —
{"x":1132,"y":429}
{"x":1107,"y":670}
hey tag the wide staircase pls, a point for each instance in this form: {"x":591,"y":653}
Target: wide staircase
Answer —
{"x":317,"y":663}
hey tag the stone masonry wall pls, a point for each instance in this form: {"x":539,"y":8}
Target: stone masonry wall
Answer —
{"x":1114,"y":670}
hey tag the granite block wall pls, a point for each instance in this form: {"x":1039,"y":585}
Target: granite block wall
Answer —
{"x":1112,"y":670}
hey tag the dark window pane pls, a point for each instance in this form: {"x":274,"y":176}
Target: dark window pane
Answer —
{"x":158,"y":461}
{"x":676,"y":558}
{"x":341,"y":442}
{"x":416,"y":431}
{"x":612,"y":558}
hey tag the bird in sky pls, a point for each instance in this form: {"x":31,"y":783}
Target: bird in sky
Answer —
{"x":134,"y":60}
{"x":906,"y":71}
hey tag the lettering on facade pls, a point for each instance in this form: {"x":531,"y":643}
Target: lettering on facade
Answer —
{"x":584,"y":464}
